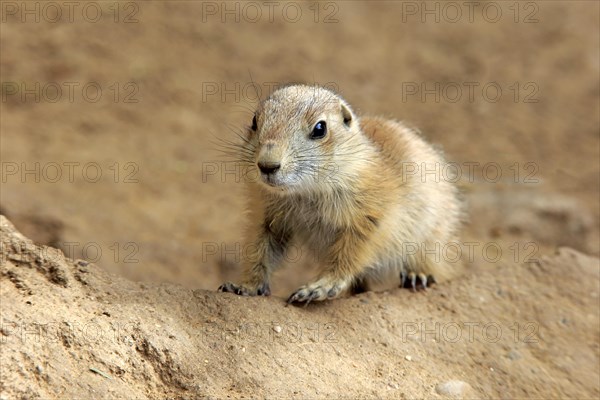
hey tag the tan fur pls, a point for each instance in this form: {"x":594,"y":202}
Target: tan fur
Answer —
{"x":352,"y":197}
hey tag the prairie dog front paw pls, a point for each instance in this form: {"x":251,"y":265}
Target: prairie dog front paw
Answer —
{"x":242,"y":290}
{"x":318,"y":291}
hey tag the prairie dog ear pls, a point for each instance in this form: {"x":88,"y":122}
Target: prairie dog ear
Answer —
{"x":346,"y":114}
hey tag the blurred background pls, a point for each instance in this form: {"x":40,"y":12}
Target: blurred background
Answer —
{"x":110,"y":111}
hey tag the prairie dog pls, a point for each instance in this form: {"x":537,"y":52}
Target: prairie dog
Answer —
{"x":347,"y":189}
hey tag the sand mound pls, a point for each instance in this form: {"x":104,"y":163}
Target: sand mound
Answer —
{"x":71,"y":330}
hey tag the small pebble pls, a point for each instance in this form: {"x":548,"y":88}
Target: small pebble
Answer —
{"x":408,"y":358}
{"x":453,"y":388}
{"x":277,"y":329}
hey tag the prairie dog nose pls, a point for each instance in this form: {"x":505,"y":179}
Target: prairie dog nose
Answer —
{"x":267,"y":167}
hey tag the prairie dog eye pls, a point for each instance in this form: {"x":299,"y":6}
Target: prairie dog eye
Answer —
{"x":254,"y":125}
{"x":319,"y":131}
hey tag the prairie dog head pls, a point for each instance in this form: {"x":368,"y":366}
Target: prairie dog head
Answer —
{"x":302,"y":138}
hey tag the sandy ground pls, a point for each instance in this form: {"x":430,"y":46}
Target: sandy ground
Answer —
{"x":70,"y":330}
{"x":107,"y":150}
